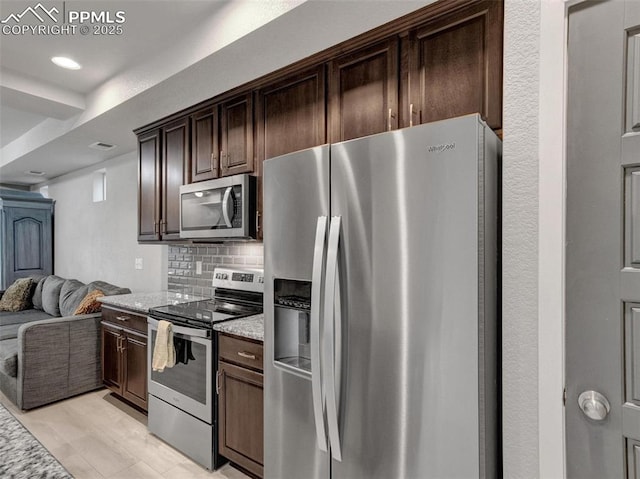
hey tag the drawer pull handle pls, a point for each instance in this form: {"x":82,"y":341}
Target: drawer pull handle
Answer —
{"x":122,"y":318}
{"x":246,"y":355}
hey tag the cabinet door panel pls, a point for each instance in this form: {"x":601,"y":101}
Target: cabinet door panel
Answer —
{"x":237,"y":136}
{"x":149,"y":186}
{"x":456,"y":65}
{"x":290,"y":116}
{"x":111,"y":358}
{"x":204,"y":145}
{"x":134,"y":387}
{"x":174,"y":175}
{"x":363,"y":92}
{"x":241,"y":416}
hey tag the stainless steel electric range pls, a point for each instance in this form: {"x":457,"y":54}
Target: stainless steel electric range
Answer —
{"x":183,"y":406}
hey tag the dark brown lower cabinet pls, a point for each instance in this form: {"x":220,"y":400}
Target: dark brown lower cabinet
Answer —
{"x":124,"y":357}
{"x":240,"y":410}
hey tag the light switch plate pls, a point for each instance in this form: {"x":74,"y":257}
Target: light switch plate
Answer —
{"x":138,"y":264}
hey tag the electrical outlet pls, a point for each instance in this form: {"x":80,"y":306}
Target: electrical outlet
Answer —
{"x":138,"y":264}
{"x":198,"y":267}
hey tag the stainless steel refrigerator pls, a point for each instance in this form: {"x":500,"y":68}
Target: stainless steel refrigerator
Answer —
{"x":381,"y":306}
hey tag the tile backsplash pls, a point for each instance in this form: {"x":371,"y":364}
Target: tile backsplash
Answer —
{"x":182,"y":277}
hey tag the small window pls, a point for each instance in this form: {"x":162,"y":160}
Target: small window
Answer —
{"x":44,"y":191}
{"x":99,"y":185}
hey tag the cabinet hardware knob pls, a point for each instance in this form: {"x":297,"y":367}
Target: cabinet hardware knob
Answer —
{"x":411,"y":113}
{"x":246,"y":355}
{"x":257,"y":221}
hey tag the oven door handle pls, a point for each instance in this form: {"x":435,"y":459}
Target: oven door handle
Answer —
{"x":200,"y":333}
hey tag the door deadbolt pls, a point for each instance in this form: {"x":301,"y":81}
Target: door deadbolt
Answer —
{"x":594,"y":405}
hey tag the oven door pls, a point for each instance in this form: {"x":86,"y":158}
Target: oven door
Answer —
{"x":188,"y":384}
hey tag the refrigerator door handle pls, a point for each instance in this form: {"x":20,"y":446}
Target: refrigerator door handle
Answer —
{"x":316,"y":308}
{"x":333,"y":338}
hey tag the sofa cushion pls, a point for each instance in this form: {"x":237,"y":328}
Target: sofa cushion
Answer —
{"x":90,"y":303}
{"x":10,"y":322}
{"x":51,"y":295}
{"x":9,"y":357}
{"x":71,"y":294}
{"x":17,"y":296}
{"x":36,"y":299}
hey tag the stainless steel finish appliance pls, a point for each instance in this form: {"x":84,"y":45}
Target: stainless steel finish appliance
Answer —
{"x":220,"y":208}
{"x":381,"y":306}
{"x":183,"y":409}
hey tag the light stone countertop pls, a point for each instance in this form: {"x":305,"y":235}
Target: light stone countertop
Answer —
{"x":142,"y":302}
{"x":250,"y":327}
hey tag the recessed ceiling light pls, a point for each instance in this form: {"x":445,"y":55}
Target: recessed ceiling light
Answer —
{"x":35,"y":173}
{"x":65,"y":62}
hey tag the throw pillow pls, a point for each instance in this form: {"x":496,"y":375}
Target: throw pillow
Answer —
{"x":17,"y":296}
{"x":90,"y":303}
{"x":37,"y":294}
{"x":51,"y":295}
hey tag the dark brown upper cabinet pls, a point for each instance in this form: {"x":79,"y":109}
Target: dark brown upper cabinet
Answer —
{"x":363,"y":92}
{"x":455,"y":66}
{"x":442,"y":61}
{"x":236,"y":142}
{"x":290,"y":116}
{"x":205,"y":150}
{"x":149,"y":186}
{"x":175,"y":173}
{"x":163,"y":167}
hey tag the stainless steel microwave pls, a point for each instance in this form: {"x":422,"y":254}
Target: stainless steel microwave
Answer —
{"x":219,"y":209}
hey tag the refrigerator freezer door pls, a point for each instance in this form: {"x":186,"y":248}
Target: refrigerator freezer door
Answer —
{"x":412,"y":402}
{"x":297,"y":194}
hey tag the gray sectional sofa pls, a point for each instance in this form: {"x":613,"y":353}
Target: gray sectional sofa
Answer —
{"x":46,"y":353}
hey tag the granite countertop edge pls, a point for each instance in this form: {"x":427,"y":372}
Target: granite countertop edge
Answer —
{"x":142,"y":302}
{"x":251,"y":327}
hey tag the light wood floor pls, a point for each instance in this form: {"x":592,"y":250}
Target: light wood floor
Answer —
{"x":97,"y":436}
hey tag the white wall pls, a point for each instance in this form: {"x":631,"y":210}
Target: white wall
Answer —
{"x":533,"y":244}
{"x":520,"y":234}
{"x":99,"y":240}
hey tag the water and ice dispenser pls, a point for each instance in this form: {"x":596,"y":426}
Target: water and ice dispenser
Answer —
{"x":292,"y":301}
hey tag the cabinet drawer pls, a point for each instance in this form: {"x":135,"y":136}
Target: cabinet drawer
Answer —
{"x":240,"y":351}
{"x":125,"y":319}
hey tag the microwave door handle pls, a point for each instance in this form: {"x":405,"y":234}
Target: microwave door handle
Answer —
{"x":225,"y":206}
{"x":333,"y":339}
{"x":316,"y":313}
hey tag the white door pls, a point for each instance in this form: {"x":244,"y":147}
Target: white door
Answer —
{"x":603,"y":241}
